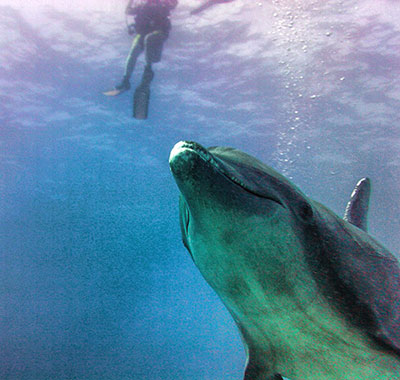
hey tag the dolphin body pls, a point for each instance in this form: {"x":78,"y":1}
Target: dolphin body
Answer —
{"x":314,"y":296}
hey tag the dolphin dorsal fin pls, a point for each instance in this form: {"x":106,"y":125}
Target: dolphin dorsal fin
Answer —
{"x":357,"y":209}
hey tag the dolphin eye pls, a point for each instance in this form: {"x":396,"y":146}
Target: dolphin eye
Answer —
{"x":305,"y":212}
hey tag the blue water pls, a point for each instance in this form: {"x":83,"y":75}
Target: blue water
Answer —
{"x":95,"y":283}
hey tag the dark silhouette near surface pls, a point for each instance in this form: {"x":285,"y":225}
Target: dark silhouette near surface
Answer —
{"x":207,"y":5}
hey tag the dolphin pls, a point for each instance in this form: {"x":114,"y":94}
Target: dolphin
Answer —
{"x":314,"y":296}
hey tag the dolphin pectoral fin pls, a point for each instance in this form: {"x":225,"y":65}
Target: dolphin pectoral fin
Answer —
{"x":275,"y":377}
{"x":357,"y":209}
{"x":271,"y":377}
{"x":253,"y":372}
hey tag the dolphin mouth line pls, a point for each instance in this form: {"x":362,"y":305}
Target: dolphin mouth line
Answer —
{"x":208,"y":157}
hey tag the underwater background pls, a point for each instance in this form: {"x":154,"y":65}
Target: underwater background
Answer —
{"x":94,"y":280}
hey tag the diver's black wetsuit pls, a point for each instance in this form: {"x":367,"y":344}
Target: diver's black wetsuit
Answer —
{"x":152,"y":26}
{"x":149,"y":18}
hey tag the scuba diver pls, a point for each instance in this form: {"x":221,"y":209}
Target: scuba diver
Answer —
{"x":208,"y":4}
{"x":151,"y":28}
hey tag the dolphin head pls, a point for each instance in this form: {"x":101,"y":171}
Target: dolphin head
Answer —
{"x":220,"y":177}
{"x":232,"y":204}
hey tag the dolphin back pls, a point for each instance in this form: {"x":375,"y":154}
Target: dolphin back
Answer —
{"x":364,"y":275}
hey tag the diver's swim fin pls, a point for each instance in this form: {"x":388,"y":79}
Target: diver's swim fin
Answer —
{"x":141,"y":100}
{"x":141,"y":97}
{"x":115,"y":92}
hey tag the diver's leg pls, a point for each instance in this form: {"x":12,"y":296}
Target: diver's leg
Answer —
{"x":148,"y":75}
{"x":153,"y":45}
{"x":136,"y":48}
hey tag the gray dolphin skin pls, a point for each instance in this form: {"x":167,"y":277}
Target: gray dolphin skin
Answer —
{"x":314,"y":296}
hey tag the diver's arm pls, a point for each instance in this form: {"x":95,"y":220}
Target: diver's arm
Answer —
{"x":208,"y":4}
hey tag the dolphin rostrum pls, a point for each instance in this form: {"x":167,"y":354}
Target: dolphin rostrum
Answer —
{"x":314,"y":296}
